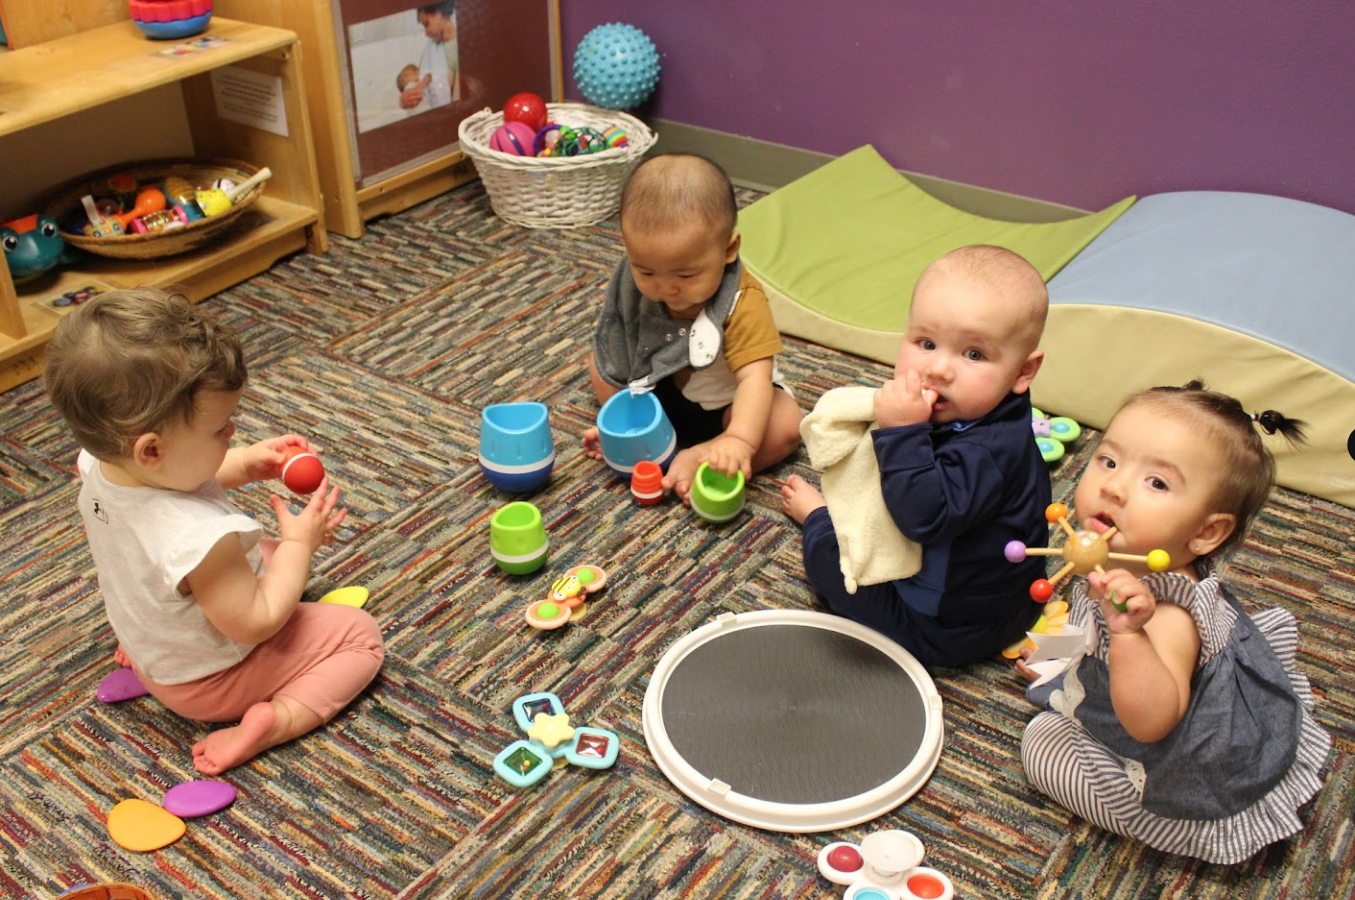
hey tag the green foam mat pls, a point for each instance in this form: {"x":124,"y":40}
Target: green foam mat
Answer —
{"x":840,"y":249}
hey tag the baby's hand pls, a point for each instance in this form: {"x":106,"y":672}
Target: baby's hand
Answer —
{"x":903,"y":401}
{"x":1126,"y":602}
{"x":727,"y":454}
{"x":1023,"y":669}
{"x":263,"y":461}
{"x":314,"y":525}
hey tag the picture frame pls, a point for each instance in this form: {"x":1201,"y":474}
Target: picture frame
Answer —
{"x":413,"y":71}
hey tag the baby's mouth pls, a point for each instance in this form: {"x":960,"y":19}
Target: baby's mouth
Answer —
{"x":1100,"y":523}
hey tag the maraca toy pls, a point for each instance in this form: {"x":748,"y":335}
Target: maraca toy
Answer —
{"x":1084,"y":552}
{"x":148,"y":200}
{"x":302,"y":470}
{"x":215,"y":201}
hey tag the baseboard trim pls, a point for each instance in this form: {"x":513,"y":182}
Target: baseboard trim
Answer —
{"x":766,"y":166}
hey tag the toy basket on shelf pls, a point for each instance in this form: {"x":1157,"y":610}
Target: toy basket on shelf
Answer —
{"x":66,"y":207}
{"x":556,"y":191}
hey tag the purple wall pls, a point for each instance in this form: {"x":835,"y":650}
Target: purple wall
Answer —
{"x":1079,"y":103}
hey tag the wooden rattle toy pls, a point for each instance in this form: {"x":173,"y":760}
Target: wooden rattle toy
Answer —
{"x":1084,"y":552}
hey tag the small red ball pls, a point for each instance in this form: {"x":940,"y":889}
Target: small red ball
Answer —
{"x":1041,"y":590}
{"x":527,"y":108}
{"x":302,"y":470}
{"x":844,"y":859}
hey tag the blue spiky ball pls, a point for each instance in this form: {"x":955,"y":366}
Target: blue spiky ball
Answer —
{"x":616,"y":66}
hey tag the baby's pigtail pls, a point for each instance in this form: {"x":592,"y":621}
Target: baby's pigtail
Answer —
{"x":1292,"y":430}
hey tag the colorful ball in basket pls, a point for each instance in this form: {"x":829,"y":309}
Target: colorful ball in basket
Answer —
{"x":715,"y":496}
{"x":170,"y":19}
{"x":514,"y":138}
{"x":527,"y":108}
{"x":615,"y":137}
{"x":632,"y":428}
{"x":616,"y":66}
{"x":516,"y":450}
{"x":517,"y":538}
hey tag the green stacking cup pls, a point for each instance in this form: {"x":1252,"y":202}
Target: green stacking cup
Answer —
{"x":517,"y":538}
{"x":716,"y":497}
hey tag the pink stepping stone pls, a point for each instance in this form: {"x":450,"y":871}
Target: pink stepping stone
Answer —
{"x":121,"y":684}
{"x":198,"y":798}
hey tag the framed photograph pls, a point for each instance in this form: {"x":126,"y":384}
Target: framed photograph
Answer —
{"x":413,"y":71}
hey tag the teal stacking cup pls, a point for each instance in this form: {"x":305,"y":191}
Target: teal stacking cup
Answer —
{"x":716,"y":497}
{"x":517,"y":538}
{"x":634,"y":428}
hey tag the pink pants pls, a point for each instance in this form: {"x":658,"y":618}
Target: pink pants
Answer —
{"x":322,"y":658}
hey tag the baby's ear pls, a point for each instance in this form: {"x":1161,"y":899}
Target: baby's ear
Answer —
{"x":732,"y":251}
{"x":1029,"y":369}
{"x":1216,"y":529}
{"x":146,"y":450}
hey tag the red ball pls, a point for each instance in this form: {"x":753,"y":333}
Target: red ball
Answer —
{"x":527,"y":108}
{"x":845,"y":859}
{"x":1041,"y":590}
{"x":302,"y":470}
{"x":515,"y":138}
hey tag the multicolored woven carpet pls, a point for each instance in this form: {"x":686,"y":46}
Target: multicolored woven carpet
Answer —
{"x":384,"y":351}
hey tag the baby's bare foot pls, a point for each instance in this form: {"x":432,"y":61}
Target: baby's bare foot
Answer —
{"x":592,"y":443}
{"x":228,"y":747}
{"x":799,"y":498}
{"x":681,"y":472}
{"x":120,"y":657}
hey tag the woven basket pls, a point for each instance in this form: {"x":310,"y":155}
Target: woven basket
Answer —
{"x":65,"y":203}
{"x":556,"y":191}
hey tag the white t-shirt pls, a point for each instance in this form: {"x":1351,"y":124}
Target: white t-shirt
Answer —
{"x":144,"y":542}
{"x":439,"y":60}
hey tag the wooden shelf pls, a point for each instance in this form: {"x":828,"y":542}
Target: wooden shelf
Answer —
{"x":42,"y":84}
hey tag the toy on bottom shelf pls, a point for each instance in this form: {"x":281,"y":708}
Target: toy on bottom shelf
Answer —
{"x":1053,"y":434}
{"x":551,"y":742}
{"x":886,"y":865}
{"x":1084,"y":551}
{"x":564,"y":604}
{"x":33,"y":245}
{"x":218,"y":199}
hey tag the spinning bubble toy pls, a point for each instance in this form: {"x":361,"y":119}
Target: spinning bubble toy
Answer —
{"x":1084,"y":552}
{"x":616,"y":66}
{"x":1053,"y":434}
{"x":884,"y":866}
{"x":564,"y":604}
{"x":551,"y":742}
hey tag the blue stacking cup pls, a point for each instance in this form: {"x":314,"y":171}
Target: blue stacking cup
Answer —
{"x":634,"y":428}
{"x":516,"y":450}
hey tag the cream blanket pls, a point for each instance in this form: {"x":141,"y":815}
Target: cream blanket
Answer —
{"x":837,"y":436}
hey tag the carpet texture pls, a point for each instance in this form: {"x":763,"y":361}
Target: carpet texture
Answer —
{"x":383,"y":352}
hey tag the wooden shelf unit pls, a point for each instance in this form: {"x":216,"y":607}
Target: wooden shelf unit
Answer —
{"x":44,"y":83}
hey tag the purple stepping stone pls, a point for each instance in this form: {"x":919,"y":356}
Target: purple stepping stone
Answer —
{"x":121,"y":684}
{"x":198,"y":798}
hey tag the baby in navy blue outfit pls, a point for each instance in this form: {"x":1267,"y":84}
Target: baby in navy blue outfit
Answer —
{"x":959,"y":467}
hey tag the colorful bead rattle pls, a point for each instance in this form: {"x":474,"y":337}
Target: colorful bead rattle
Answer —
{"x":1084,"y":552}
{"x":564,"y":604}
